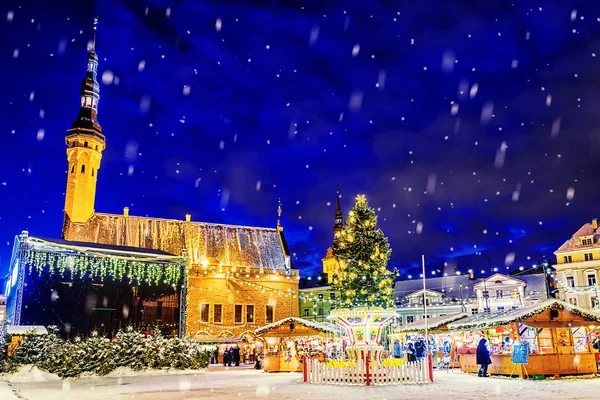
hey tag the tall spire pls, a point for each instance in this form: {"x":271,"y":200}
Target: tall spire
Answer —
{"x":87,"y":120}
{"x":85,"y":144}
{"x":279,"y":211}
{"x":339,"y":216}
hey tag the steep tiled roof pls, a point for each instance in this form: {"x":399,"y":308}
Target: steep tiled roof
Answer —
{"x":240,"y":246}
{"x":574,"y":243}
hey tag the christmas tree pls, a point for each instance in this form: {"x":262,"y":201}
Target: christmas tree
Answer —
{"x":363,"y":253}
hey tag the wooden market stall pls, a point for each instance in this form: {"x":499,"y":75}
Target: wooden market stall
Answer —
{"x":288,"y":340}
{"x":442,"y":342}
{"x":217,"y":345}
{"x":558,"y":335}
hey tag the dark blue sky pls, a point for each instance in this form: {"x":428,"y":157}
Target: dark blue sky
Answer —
{"x":471,"y":126}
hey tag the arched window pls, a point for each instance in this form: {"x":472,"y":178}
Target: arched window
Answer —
{"x":83,"y":168}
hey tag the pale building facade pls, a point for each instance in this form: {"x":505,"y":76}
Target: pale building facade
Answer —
{"x":578,"y":267}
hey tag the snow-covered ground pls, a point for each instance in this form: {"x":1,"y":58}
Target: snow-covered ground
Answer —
{"x":232,"y":383}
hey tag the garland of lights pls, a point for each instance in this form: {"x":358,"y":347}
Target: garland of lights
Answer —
{"x":81,"y":264}
{"x":579,"y":289}
{"x":325,"y":328}
{"x":484,"y":321}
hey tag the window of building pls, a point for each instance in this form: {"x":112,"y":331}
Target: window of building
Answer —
{"x":500,"y":308}
{"x":498,"y":294}
{"x":306,"y":312}
{"x":85,"y":144}
{"x":487,"y":309}
{"x":73,"y":169}
{"x":321,"y":296}
{"x":514,"y":307}
{"x":588,"y":241}
{"x":593,"y":302}
{"x":399,"y":320}
{"x":269,"y":314}
{"x":588,"y":256}
{"x":320,"y":311}
{"x":237,"y":317}
{"x":568,"y":259}
{"x":204,"y":312}
{"x":332,"y":296}
{"x":218,"y":313}
{"x":92,"y":171}
{"x":410,"y":318}
{"x":591,"y":280}
{"x":573,"y":301}
{"x":249,"y":314}
{"x":570,"y":281}
{"x":83,"y":168}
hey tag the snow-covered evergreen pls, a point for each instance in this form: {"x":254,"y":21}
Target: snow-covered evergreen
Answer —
{"x":97,"y":355}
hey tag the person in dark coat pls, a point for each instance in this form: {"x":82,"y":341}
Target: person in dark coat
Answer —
{"x":420,"y":349}
{"x":225,"y":357}
{"x":483,"y":358}
{"x":236,"y":356}
{"x":410,"y":353}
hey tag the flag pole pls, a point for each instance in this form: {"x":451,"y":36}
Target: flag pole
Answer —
{"x":427,"y":352}
{"x":425,"y":303}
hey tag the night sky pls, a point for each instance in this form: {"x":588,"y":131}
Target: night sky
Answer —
{"x":471,"y":126}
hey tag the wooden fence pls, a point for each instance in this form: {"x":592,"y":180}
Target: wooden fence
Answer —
{"x":366,"y":372}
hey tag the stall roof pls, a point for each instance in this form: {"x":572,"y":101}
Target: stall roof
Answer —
{"x":490,"y":320}
{"x":318,"y":326}
{"x":208,"y":339}
{"x":433,"y":323}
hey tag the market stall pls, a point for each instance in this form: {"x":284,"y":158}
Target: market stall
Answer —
{"x":288,"y":340}
{"x":217,"y":345}
{"x":442,"y":343}
{"x":549,"y":338}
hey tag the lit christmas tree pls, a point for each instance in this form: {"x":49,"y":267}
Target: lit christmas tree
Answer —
{"x":363,"y":252}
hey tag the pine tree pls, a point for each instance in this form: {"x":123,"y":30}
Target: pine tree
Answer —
{"x":363,"y":252}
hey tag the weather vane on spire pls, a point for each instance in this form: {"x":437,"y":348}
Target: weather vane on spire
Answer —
{"x":279,"y":211}
{"x":95,"y":27}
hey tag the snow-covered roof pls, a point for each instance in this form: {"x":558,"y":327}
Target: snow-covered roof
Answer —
{"x":575,"y":244}
{"x":432,"y":323}
{"x":26,"y":330}
{"x":430,"y":293}
{"x":319,"y":326}
{"x":490,"y":320}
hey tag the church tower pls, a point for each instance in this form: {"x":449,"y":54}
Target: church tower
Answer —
{"x":330,"y":263}
{"x":85,"y":143}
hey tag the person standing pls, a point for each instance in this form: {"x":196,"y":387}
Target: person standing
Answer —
{"x":483,"y":358}
{"x":225,"y":356}
{"x":420,"y":349}
{"x":236,"y":356}
{"x":410,"y":353}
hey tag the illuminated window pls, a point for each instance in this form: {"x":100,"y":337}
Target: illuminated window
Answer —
{"x":218,"y":313}
{"x":237,"y":318}
{"x":204,"y":312}
{"x":269,"y":314}
{"x":249,"y":314}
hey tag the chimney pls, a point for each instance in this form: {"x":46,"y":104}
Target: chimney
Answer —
{"x":188,"y":217}
{"x":126,"y":211}
{"x":595,"y":223}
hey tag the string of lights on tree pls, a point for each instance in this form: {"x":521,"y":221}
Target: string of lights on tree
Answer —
{"x":79,"y":264}
{"x":363,"y":252}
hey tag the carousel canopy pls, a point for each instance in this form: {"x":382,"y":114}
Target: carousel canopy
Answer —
{"x":529,"y":313}
{"x":435,"y":324}
{"x":293,"y":326}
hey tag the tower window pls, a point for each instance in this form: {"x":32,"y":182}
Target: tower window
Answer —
{"x":83,"y":168}
{"x":92,"y":171}
{"x":96,"y":147}
{"x":85,"y":144}
{"x":73,"y":169}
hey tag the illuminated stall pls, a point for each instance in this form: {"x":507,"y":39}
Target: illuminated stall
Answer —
{"x":287,"y":341}
{"x":558,"y":338}
{"x":441,"y":341}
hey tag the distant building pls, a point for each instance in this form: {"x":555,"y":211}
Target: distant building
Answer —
{"x":578,"y":267}
{"x":464,"y":293}
{"x":2,"y":309}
